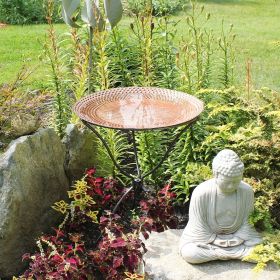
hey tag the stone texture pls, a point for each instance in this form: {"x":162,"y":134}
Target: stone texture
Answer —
{"x":163,"y":262}
{"x":32,"y":178}
{"x":24,"y":124}
{"x":81,"y":151}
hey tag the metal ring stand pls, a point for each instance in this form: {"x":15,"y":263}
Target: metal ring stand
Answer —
{"x":134,"y":109}
{"x":137,"y":181}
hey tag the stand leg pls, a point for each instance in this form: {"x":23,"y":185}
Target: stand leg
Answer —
{"x":169,"y":149}
{"x":122,"y":198}
{"x":137,"y":182}
{"x":136,"y":155}
{"x":108,"y":150}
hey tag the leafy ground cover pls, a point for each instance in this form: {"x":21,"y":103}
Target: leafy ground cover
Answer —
{"x":93,"y":243}
{"x":256,"y":24}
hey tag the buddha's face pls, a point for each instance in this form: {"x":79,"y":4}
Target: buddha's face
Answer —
{"x":227,"y":184}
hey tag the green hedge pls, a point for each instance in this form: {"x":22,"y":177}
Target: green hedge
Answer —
{"x":160,"y":7}
{"x":26,"y":11}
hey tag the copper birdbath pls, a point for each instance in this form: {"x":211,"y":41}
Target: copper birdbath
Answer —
{"x":132,"y":109}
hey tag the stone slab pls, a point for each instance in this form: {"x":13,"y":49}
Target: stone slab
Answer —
{"x":163,"y":262}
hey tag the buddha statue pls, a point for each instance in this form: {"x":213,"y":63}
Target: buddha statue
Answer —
{"x":218,"y":227}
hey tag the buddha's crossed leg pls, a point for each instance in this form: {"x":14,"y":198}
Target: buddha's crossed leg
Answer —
{"x":200,"y":253}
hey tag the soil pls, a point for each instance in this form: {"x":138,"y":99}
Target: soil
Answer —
{"x":3,"y":25}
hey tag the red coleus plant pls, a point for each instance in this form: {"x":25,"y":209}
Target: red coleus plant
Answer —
{"x":157,"y":213}
{"x":93,"y":243}
{"x":106,"y":192}
{"x":59,"y":258}
{"x":117,"y":252}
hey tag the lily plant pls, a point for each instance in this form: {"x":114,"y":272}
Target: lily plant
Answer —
{"x":94,"y":14}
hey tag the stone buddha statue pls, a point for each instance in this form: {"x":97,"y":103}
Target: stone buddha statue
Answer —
{"x":218,"y":227}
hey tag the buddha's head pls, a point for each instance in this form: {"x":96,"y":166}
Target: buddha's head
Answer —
{"x":228,"y":170}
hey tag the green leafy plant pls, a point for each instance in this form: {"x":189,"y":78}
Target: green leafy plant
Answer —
{"x":18,"y":104}
{"x":151,"y":147}
{"x":78,"y":67}
{"x":164,"y":54}
{"x":119,"y":146}
{"x":160,"y":7}
{"x":227,"y":59}
{"x":143,"y":30}
{"x":26,"y":11}
{"x":8,"y":94}
{"x":164,"y":7}
{"x":194,"y":59}
{"x":188,"y":176}
{"x":123,"y":59}
{"x":200,"y":50}
{"x":266,"y":252}
{"x":93,"y":16}
{"x":61,"y":100}
{"x":91,"y":242}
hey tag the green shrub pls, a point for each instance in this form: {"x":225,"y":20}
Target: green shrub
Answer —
{"x":266,"y":252}
{"x":160,"y":7}
{"x":25,"y":11}
{"x":167,"y":7}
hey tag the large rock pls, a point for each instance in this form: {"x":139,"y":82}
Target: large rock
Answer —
{"x":162,"y":262}
{"x":32,"y":178}
{"x":81,"y":151}
{"x":24,"y":124}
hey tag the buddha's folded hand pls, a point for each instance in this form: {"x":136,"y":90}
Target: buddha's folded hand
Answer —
{"x":235,"y":241}
{"x":227,"y":242}
{"x":221,"y":242}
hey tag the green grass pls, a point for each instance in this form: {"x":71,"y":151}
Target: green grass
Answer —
{"x":23,"y":45}
{"x":256,"y":24}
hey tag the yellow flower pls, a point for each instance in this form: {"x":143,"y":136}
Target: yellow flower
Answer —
{"x":134,"y":276}
{"x":93,"y":216}
{"x":84,"y":202}
{"x":61,"y":206}
{"x":74,"y":194}
{"x":81,"y":186}
{"x":89,"y":200}
{"x":80,"y":203}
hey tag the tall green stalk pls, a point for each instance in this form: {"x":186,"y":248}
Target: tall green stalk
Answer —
{"x":62,"y":112}
{"x":90,"y":58}
{"x":227,"y":60}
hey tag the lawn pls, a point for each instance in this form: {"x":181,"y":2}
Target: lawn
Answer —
{"x":23,"y":45}
{"x":256,"y":24}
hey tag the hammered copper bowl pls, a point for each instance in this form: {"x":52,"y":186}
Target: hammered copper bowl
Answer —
{"x":139,"y":108}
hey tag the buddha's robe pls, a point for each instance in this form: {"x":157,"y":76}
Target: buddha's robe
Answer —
{"x":202,"y":229}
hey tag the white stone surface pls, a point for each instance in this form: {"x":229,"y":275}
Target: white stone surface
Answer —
{"x":162,"y":262}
